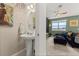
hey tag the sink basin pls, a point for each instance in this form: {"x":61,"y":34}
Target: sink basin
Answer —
{"x":28,"y":36}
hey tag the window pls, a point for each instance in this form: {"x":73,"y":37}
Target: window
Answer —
{"x":59,"y":25}
{"x":62,"y":24}
{"x":55,"y":25}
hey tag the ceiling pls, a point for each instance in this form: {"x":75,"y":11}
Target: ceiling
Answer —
{"x":72,"y":9}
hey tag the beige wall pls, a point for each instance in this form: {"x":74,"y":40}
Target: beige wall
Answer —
{"x":9,"y":42}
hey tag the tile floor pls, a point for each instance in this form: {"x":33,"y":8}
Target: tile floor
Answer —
{"x":60,"y":50}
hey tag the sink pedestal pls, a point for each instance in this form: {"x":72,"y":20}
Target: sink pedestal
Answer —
{"x":29,"y":41}
{"x":29,"y":47}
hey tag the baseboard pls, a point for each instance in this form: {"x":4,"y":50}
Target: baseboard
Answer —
{"x":20,"y":53}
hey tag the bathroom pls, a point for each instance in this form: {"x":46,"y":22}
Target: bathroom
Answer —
{"x":23,"y":17}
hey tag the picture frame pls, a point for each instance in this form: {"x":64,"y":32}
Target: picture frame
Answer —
{"x":6,"y":15}
{"x":73,"y":23}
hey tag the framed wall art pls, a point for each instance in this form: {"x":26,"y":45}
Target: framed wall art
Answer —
{"x":6,"y":15}
{"x":73,"y":23}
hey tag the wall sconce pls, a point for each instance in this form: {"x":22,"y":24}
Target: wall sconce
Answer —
{"x":31,"y":8}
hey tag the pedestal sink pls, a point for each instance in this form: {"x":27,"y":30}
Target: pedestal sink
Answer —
{"x":29,"y":39}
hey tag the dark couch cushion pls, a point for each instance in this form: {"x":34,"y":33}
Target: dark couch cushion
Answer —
{"x":60,"y":40}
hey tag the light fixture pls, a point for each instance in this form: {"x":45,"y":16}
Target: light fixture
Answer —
{"x":60,"y":11}
{"x":28,"y":7}
{"x":31,"y":8}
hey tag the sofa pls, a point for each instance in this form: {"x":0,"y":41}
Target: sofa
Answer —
{"x":59,"y":39}
{"x":63,"y":40}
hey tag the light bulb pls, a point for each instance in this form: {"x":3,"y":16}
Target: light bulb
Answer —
{"x":28,"y":7}
{"x":31,"y":6}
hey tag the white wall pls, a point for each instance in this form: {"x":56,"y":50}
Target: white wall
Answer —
{"x":9,"y":42}
{"x":72,"y":8}
{"x":40,"y":39}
